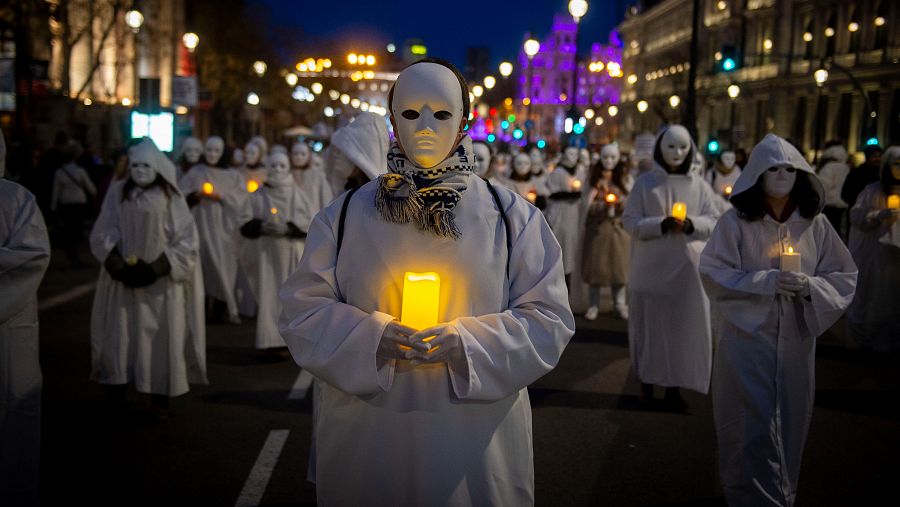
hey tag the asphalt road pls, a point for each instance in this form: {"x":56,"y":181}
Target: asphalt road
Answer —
{"x":593,"y":444}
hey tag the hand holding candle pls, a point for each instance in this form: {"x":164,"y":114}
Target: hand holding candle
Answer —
{"x":728,"y":191}
{"x":531,"y":196}
{"x":252,"y":186}
{"x":679,"y":211}
{"x":576,"y":185}
{"x":611,"y":200}
{"x":893,"y":202}
{"x":790,"y":260}
{"x":208,"y":188}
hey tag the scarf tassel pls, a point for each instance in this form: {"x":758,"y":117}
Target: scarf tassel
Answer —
{"x":441,"y":223}
{"x":399,"y":210}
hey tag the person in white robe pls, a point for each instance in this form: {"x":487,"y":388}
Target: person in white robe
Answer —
{"x":768,"y":314}
{"x":523,"y":182}
{"x":253,"y":170}
{"x":873,"y":318}
{"x":191,"y":151}
{"x":434,"y":416}
{"x":357,"y":152}
{"x":668,"y":325}
{"x":220,"y":204}
{"x":276,"y":236}
{"x":24,"y":257}
{"x":147,"y":321}
{"x":564,"y":209}
{"x":312,"y":181}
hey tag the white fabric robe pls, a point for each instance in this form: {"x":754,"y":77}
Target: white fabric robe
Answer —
{"x":874,"y":316}
{"x":268,"y":260}
{"x":217,"y":226}
{"x":154,"y":336}
{"x":565,"y":216}
{"x":668,"y":325}
{"x":313,"y":183}
{"x":24,"y":256}
{"x":764,"y":378}
{"x":391,"y":434}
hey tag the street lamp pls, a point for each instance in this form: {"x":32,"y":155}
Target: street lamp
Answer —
{"x":578,"y":8}
{"x":506,"y":69}
{"x":190,"y":41}
{"x":477,"y":91}
{"x":134,"y":19}
{"x":316,"y":88}
{"x":820,"y":75}
{"x":674,"y":100}
{"x":612,"y":110}
{"x":290,"y":78}
{"x":532,"y":46}
{"x":259,"y":67}
{"x":642,"y":106}
{"x":490,"y":82}
{"x":253,"y":99}
{"x":733,"y":91}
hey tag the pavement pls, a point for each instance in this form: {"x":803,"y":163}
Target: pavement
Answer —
{"x":244,"y":438}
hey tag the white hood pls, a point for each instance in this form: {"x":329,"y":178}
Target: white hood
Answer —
{"x":836,"y":153}
{"x":365,"y":142}
{"x":773,"y":151}
{"x":147,"y":151}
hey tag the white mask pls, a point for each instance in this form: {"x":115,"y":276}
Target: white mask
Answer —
{"x":427,"y":113}
{"x":300,"y":155}
{"x":252,"y":154}
{"x":675,"y":145}
{"x":727,"y":159}
{"x":536,"y":156}
{"x":215,"y":147}
{"x":192,"y":150}
{"x":780,"y":182}
{"x":522,"y":164}
{"x":482,"y":157}
{"x":584,"y":157}
{"x":263,"y":145}
{"x":610,"y":156}
{"x":141,"y":173}
{"x":237,"y":157}
{"x":278,"y":167}
{"x":570,"y":155}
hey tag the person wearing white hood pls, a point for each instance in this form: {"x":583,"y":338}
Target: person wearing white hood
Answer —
{"x":191,"y":151}
{"x":276,"y":234}
{"x":833,"y":171}
{"x":357,"y":153}
{"x":668,"y":325}
{"x":253,"y":170}
{"x":312,"y":181}
{"x":779,"y":276}
{"x":564,"y":205}
{"x":147,"y":322}
{"x":220,"y":204}
{"x":24,"y":257}
{"x":724,"y":174}
{"x":872,"y":318}
{"x":438,"y":415}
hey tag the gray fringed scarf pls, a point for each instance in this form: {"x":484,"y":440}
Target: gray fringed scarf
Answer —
{"x":408,"y":193}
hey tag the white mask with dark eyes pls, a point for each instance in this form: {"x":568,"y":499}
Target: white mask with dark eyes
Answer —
{"x":610,"y":156}
{"x":727,"y":159}
{"x":482,"y":157}
{"x":675,"y":145}
{"x":570,"y":156}
{"x":141,"y":173}
{"x":215,"y":147}
{"x":427,"y":113}
{"x":300,"y":155}
{"x":252,"y":154}
{"x":192,"y":149}
{"x":779,"y":181}
{"x":522,"y":164}
{"x":278,"y":170}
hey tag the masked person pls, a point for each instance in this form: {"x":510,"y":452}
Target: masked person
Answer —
{"x":768,"y":317}
{"x":833,"y":171}
{"x":563,"y":211}
{"x":607,"y":246}
{"x":220,"y":204}
{"x":724,"y":174}
{"x":522,"y":181}
{"x":191,"y":151}
{"x":276,"y":234}
{"x":437,"y":416}
{"x":484,"y":161}
{"x":24,"y":257}
{"x":357,"y":153}
{"x":312,"y":181}
{"x":253,"y":170}
{"x":668,"y":325}
{"x":147,"y":322}
{"x":875,"y":244}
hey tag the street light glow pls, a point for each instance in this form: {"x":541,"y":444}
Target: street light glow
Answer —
{"x":329,"y":111}
{"x":489,"y":82}
{"x":354,"y":103}
{"x":370,"y":60}
{"x":632,"y":78}
{"x":352,"y":59}
{"x":252,"y":99}
{"x":821,"y":75}
{"x":829,"y":32}
{"x":532,"y":46}
{"x":134,"y":19}
{"x":807,"y":37}
{"x":674,"y":100}
{"x":259,"y":67}
{"x":345,"y":99}
{"x":391,"y":48}
{"x":589,"y":113}
{"x":316,"y":88}
{"x":477,"y":91}
{"x":506,"y":69}
{"x":598,"y":121}
{"x":721,"y":5}
{"x":642,"y":106}
{"x":853,"y":26}
{"x":334,"y":94}
{"x":290,"y":78}
{"x":613,"y":110}
{"x":879,"y":21}
{"x":733,"y":91}
{"x":578,"y":8}
{"x":190,"y":41}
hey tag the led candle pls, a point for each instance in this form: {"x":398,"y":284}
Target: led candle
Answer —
{"x":274,"y":212}
{"x":208,"y":188}
{"x":576,"y":185}
{"x":531,"y":196}
{"x":611,"y":201}
{"x":728,"y":190}
{"x":679,"y":211}
{"x":421,"y":295}
{"x":252,"y":186}
{"x":790,"y":260}
{"x":893,"y":202}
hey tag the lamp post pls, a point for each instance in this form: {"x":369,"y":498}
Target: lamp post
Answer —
{"x":577,"y":8}
{"x":531,"y":46}
{"x":733,"y":92}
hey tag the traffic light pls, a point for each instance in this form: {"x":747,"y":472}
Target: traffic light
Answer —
{"x":729,"y":61}
{"x":712,"y":146}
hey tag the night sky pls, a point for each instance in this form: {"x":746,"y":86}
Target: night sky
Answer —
{"x":447,"y":27}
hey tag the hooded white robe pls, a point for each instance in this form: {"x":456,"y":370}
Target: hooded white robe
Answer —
{"x":153,"y":336}
{"x":668,"y":325}
{"x":566,"y":216}
{"x":363,"y":144}
{"x":764,"y":378}
{"x":314,"y":186}
{"x":391,"y":434}
{"x":272,"y":259}
{"x":24,"y":256}
{"x":217,"y":225}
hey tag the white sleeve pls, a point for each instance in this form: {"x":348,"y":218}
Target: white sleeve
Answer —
{"x":834,"y":283}
{"x":183,"y":243}
{"x":634,"y":219}
{"x":106,"y":235}
{"x":505,"y":352}
{"x":24,"y":255}
{"x":705,"y":221}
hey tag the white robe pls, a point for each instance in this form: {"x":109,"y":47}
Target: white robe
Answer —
{"x":154,"y":336}
{"x":24,"y":256}
{"x":565,"y":216}
{"x":314,"y":185}
{"x":217,"y":225}
{"x":668,"y":326}
{"x":391,"y":434}
{"x":873,"y":316}
{"x":269,"y":260}
{"x":764,"y":381}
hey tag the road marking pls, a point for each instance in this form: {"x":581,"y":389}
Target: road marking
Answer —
{"x":65,"y":297}
{"x":301,"y":386}
{"x":256,"y":483}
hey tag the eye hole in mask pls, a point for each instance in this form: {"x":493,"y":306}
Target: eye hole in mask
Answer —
{"x":409,"y":114}
{"x":775,"y":169}
{"x":442,"y":115}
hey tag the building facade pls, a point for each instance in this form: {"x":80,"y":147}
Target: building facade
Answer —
{"x":757,"y":64}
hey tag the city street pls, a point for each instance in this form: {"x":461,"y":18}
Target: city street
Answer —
{"x":593,"y":444}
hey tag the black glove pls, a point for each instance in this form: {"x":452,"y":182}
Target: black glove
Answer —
{"x":688,"y":226}
{"x":139,"y":275}
{"x":294,"y":232}
{"x":566,"y":196}
{"x":252,"y":229}
{"x":540,"y":202}
{"x":192,"y":199}
{"x":161,"y":266}
{"x":115,"y":265}
{"x":670,"y":224}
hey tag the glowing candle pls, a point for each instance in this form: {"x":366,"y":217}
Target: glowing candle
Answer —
{"x":576,"y":185}
{"x":728,"y":190}
{"x":274,"y":212}
{"x":893,"y":202}
{"x":611,"y":201}
{"x":252,"y":186}
{"x":208,"y":188}
{"x":421,"y":294}
{"x":531,"y":196}
{"x":790,"y":260}
{"x":679,"y":211}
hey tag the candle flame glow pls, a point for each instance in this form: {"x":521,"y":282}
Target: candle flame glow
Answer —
{"x":790,"y":249}
{"x":274,"y":211}
{"x":611,"y":198}
{"x":208,"y":188}
{"x":252,"y":186}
